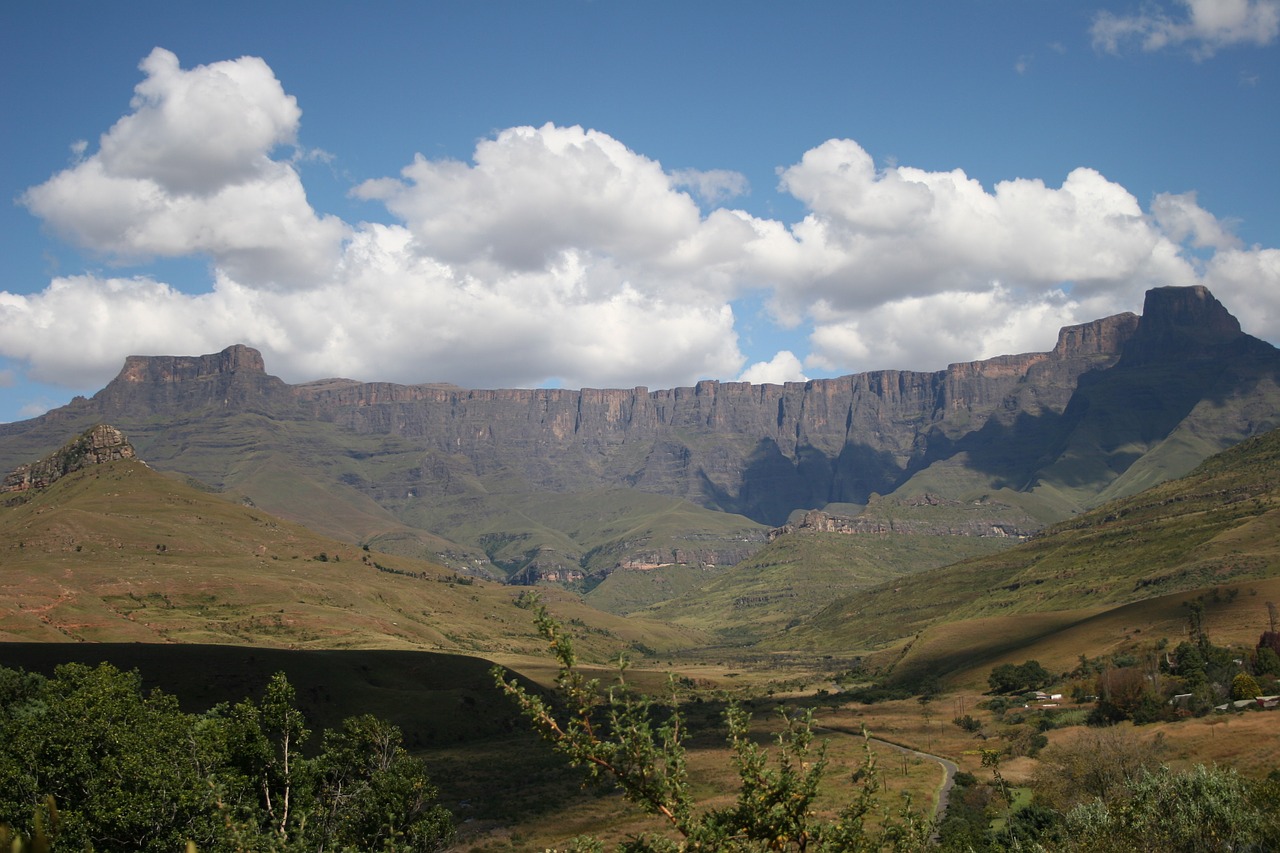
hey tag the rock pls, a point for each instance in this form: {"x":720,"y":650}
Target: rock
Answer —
{"x":97,"y":446}
{"x":925,"y":515}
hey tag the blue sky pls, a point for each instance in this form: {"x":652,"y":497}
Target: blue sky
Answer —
{"x":612,"y":194}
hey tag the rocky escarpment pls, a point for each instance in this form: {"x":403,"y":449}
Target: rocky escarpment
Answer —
{"x":924,"y":515}
{"x":701,"y":551}
{"x":758,"y":450}
{"x":97,"y":446}
{"x":232,"y":380}
{"x":1115,"y":405}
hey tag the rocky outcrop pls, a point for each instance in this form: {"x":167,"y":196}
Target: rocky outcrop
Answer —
{"x":547,"y":565}
{"x":1188,"y":321}
{"x":647,"y":559}
{"x":97,"y":446}
{"x":941,"y":517}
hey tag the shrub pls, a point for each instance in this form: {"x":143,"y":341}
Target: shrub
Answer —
{"x":1244,"y":687}
{"x":636,"y":744}
{"x":1010,"y":678}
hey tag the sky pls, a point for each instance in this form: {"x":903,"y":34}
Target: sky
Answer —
{"x":611,"y":194}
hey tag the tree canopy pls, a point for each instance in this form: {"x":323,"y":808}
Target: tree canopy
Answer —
{"x":89,"y":761}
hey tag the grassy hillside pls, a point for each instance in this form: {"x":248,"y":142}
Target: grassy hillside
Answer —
{"x":1217,"y":527}
{"x":966,"y":650}
{"x":119,"y":553}
{"x":1156,"y":421}
{"x":632,"y":590}
{"x":589,"y":531}
{"x":798,"y":574}
{"x":366,"y":489}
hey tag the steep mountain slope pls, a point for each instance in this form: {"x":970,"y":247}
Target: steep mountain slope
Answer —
{"x":800,"y":573}
{"x":1217,"y":527}
{"x":1118,"y":404}
{"x":116,"y":552}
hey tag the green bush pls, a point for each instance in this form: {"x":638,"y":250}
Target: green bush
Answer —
{"x":636,"y":744}
{"x":88,"y":762}
{"x":1011,"y":678}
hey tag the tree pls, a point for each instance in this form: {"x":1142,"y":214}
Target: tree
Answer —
{"x":264,"y":783}
{"x":1191,"y":664}
{"x":1125,"y":694}
{"x":89,"y":762}
{"x":1267,"y":662}
{"x":122,"y":768}
{"x":630,"y":741}
{"x":372,"y":794}
{"x":1243,"y":686}
{"x":1012,"y":678}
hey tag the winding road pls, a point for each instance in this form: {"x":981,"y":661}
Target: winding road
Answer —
{"x":949,"y":770}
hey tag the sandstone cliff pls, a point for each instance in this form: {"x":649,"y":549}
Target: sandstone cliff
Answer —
{"x":1117,"y":404}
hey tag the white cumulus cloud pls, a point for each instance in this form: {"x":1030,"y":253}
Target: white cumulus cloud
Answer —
{"x":906,"y":267}
{"x":1205,"y":26}
{"x":783,"y":367}
{"x":558,"y":254}
{"x":1184,"y":221}
{"x":930,"y":332}
{"x":533,"y":193}
{"x":189,"y":171}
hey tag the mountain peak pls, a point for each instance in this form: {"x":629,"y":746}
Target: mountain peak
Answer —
{"x":1182,"y":322}
{"x":1188,"y":308}
{"x":237,"y":358}
{"x":1099,"y":337}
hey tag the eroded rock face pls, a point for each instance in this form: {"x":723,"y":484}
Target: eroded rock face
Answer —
{"x":99,"y":445}
{"x":758,"y":450}
{"x":232,"y":380}
{"x":1188,"y":321}
{"x":984,"y":519}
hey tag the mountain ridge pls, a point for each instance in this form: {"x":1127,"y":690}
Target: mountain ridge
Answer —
{"x":1050,"y":433}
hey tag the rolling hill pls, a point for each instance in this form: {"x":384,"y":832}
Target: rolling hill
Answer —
{"x":117,"y":552}
{"x":1091,"y":582}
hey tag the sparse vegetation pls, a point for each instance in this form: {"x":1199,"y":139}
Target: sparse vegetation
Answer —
{"x":628,"y":740}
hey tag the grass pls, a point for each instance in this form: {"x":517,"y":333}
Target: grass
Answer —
{"x":588,"y":532}
{"x":796,"y":575}
{"x":1138,"y":558}
{"x":210,"y":596}
{"x":120,"y":553}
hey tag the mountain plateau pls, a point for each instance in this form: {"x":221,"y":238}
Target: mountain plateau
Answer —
{"x":535,"y":483}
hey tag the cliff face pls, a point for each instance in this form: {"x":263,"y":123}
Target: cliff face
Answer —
{"x":1187,"y":321}
{"x":760,"y":450}
{"x":232,"y":380}
{"x":924,"y":514}
{"x":99,"y":445}
{"x":1062,"y":426}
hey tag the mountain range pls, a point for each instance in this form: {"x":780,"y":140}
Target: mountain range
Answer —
{"x":573,"y":485}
